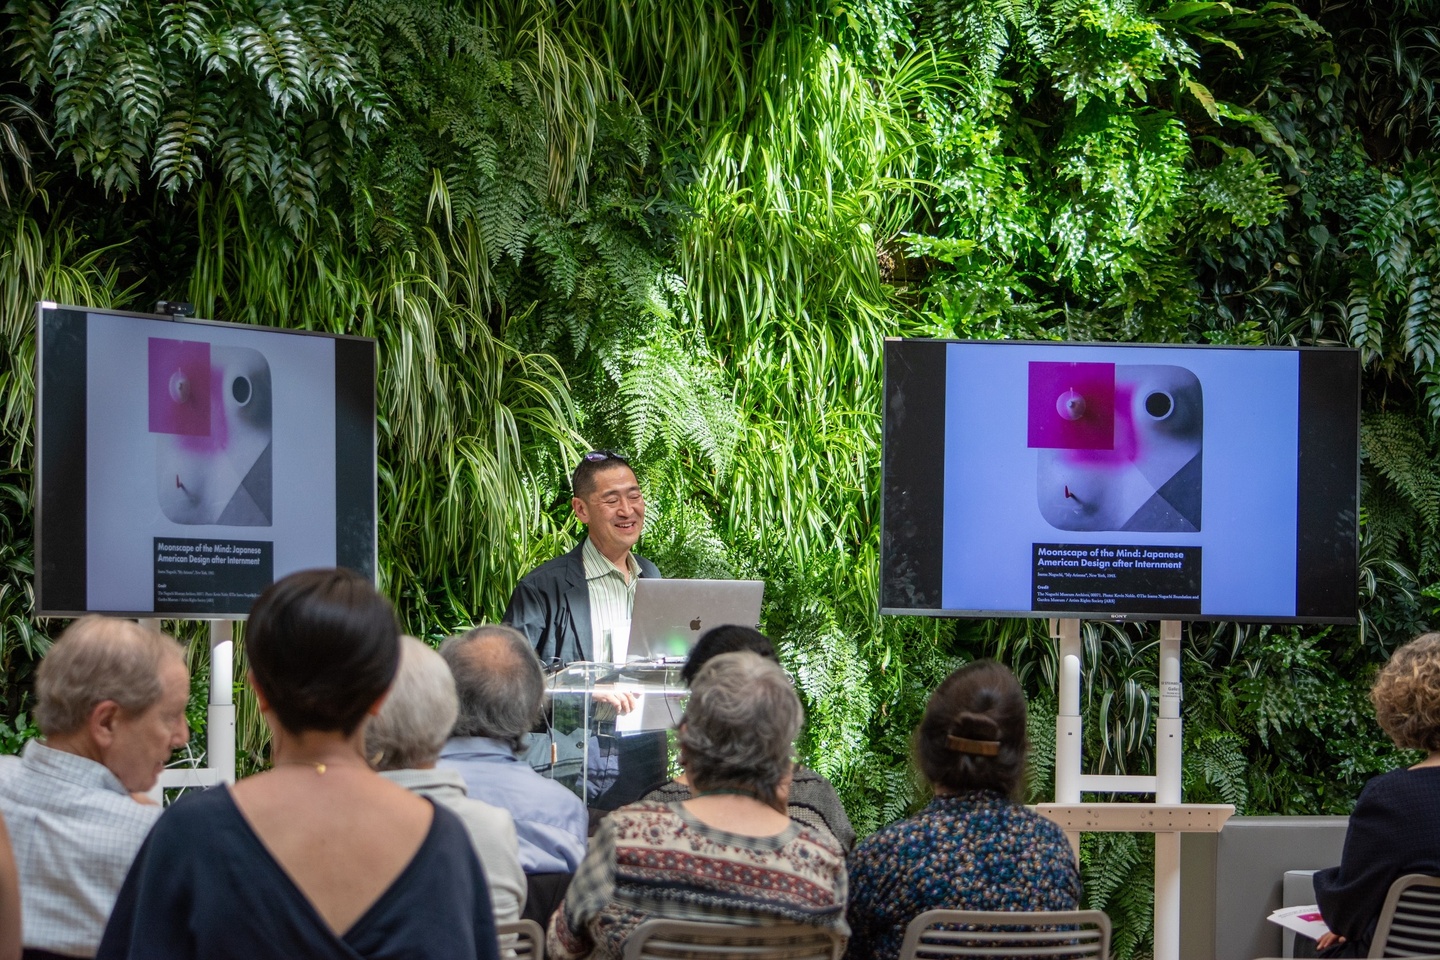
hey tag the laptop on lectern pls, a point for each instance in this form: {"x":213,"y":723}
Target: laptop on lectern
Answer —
{"x":668,"y":616}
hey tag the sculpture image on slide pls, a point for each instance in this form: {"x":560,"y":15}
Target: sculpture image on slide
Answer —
{"x":1119,"y":446}
{"x":210,"y":412}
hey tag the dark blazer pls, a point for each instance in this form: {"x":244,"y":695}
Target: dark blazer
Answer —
{"x":551,"y":606}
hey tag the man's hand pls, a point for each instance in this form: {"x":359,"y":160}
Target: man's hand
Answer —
{"x":623,"y":701}
{"x":1328,"y":940}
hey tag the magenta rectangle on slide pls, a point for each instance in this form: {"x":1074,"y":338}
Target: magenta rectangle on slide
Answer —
{"x":1072,"y":406}
{"x":179,"y":387}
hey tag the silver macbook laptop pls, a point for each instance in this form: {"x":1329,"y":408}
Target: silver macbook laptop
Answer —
{"x":670,"y":615}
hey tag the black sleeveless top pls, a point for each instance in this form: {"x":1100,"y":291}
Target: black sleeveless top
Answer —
{"x":204,"y":886}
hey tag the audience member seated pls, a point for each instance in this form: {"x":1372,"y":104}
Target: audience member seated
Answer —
{"x":729,"y":854}
{"x":319,"y":857}
{"x":1395,"y":828}
{"x":111,"y":698}
{"x":813,"y":800}
{"x":974,"y":847}
{"x":403,"y":742}
{"x":501,"y":686}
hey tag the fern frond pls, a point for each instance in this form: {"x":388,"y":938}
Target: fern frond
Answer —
{"x":244,"y":154}
{"x":1422,"y":328}
{"x":183,"y":23}
{"x":81,"y":26}
{"x":137,"y":83}
{"x":188,"y":131}
{"x":273,"y":54}
{"x":1394,"y":446}
{"x":31,"y":33}
{"x":1364,"y":330}
{"x":671,"y":400}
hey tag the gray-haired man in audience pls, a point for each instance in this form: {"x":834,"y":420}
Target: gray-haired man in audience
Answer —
{"x":500,"y":684}
{"x":111,"y":710}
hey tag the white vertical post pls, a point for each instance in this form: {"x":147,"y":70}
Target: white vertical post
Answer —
{"x":220,"y":722}
{"x":1167,"y":725}
{"x":1068,"y":738}
{"x":1168,"y":739}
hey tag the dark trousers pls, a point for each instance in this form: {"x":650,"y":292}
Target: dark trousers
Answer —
{"x":622,"y":769}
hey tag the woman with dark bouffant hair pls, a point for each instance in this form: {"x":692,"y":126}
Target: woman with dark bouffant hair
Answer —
{"x":319,"y":856}
{"x":974,"y":847}
{"x":1395,"y":828}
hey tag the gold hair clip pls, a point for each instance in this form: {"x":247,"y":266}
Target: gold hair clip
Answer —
{"x":981,"y":748}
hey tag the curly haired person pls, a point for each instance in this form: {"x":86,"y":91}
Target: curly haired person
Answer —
{"x":1395,"y":828}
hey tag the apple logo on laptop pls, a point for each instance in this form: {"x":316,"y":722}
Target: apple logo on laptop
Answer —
{"x":695,"y":624}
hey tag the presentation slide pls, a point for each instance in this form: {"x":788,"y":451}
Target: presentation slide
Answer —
{"x":191,"y":480}
{"x":1089,"y":475}
{"x":1120,"y":481}
{"x":182,"y":466}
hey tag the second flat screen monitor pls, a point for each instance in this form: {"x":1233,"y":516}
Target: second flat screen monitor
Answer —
{"x":1046,"y":479}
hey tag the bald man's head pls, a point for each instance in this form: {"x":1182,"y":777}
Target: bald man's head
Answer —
{"x":499,"y":683}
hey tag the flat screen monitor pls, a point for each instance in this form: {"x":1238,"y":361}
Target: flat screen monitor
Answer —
{"x":182,"y":466}
{"x":1120,"y":481}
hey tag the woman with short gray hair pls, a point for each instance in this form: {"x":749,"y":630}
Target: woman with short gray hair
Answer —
{"x":813,"y":800}
{"x":403,"y":743}
{"x":729,"y":854}
{"x":739,"y":730}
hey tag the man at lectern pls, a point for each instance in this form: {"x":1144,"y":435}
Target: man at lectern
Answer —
{"x":577,"y":606}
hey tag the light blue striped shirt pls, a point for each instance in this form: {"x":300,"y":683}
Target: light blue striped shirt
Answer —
{"x":75,"y":830}
{"x":611,"y":598}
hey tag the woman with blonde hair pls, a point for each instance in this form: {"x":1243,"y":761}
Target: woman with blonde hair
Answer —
{"x":403,"y":743}
{"x":1395,"y":827}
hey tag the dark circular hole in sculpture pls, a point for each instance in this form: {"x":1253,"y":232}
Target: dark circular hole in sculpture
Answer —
{"x":1159,"y":405}
{"x":240,"y":390}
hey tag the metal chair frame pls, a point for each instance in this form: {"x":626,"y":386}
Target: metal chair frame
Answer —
{"x":521,"y":939}
{"x":692,"y":940}
{"x":1008,"y":935}
{"x":1409,"y":924}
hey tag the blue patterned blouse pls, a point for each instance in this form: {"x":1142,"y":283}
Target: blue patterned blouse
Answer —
{"x":977,"y":850}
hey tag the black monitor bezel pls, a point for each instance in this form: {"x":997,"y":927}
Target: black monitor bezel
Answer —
{"x":369,"y":398}
{"x":938,"y":611}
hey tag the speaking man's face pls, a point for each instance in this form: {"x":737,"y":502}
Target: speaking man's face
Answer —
{"x":614,"y":511}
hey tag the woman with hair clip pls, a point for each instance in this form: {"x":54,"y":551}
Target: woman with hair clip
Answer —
{"x":974,"y":847}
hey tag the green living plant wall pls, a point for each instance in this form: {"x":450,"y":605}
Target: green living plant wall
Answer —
{"x":683,"y":227}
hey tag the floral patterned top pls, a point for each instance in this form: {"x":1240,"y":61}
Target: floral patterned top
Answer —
{"x":977,"y":850}
{"x":652,"y":861}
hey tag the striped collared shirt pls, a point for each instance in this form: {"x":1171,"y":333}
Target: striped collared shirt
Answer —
{"x":75,"y":830}
{"x":611,"y":598}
